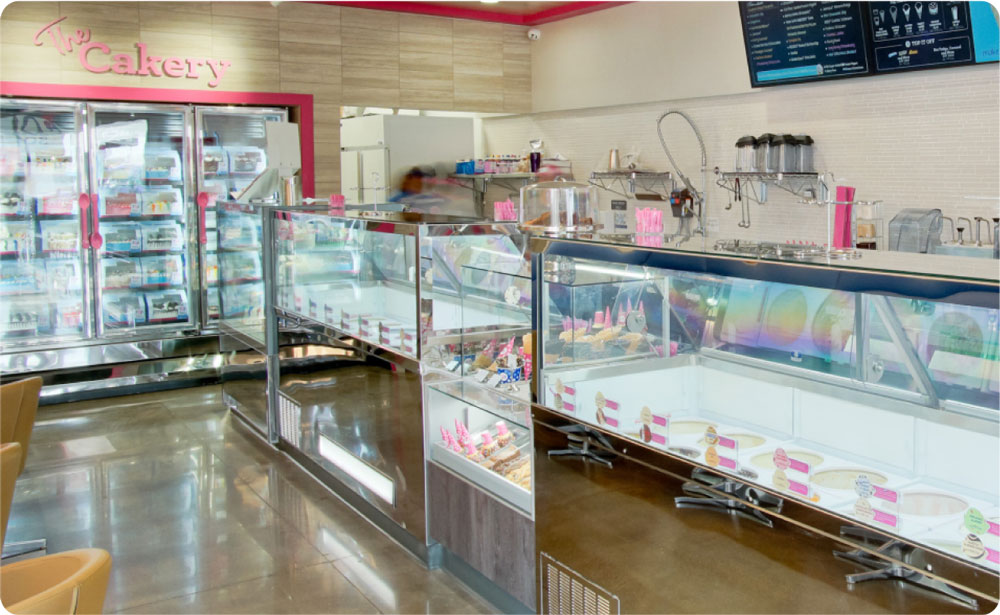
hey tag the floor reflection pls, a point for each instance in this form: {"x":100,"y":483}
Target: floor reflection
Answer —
{"x":202,"y":518}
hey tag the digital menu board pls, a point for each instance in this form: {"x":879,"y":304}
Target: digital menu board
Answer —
{"x":790,"y":42}
{"x":909,"y":35}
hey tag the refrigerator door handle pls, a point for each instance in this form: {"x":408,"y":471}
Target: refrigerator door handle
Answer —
{"x":95,"y":236}
{"x":203,"y":200}
{"x":84,"y":220}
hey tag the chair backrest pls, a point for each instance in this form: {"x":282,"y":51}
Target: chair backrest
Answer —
{"x":71,"y":582}
{"x":10,"y":462}
{"x":18,"y":405}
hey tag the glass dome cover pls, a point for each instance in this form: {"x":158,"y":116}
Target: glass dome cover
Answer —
{"x":559,"y":207}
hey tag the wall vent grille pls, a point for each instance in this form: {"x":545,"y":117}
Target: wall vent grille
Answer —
{"x":565,"y":592}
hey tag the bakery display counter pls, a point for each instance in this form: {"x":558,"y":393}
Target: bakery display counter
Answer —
{"x":854,"y":397}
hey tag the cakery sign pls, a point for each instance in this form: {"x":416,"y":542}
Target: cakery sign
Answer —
{"x":97,"y":57}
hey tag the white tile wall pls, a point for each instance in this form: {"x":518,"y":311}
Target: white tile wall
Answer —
{"x":925,"y":139}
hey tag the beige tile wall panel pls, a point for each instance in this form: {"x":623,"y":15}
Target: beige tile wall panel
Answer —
{"x":419,"y":80}
{"x":166,"y":44}
{"x":443,"y":100}
{"x":425,"y":43}
{"x":432,"y":63}
{"x":483,"y":30}
{"x":41,"y":12}
{"x":485,"y":101}
{"x":351,"y":18}
{"x":243,"y":28}
{"x":311,"y":73}
{"x":328,"y":91}
{"x":179,"y":17}
{"x":30,"y":63}
{"x":250,"y":77}
{"x":244,"y":51}
{"x":319,"y":34}
{"x":264,"y":11}
{"x":308,"y":13}
{"x":17,"y":32}
{"x":423,"y":24}
{"x":476,"y":48}
{"x":369,"y":41}
{"x":362,"y":95}
{"x":516,"y":67}
{"x":490,"y":66}
{"x":96,"y":15}
{"x":306,"y":53}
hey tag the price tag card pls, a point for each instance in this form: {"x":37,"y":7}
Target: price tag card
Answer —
{"x":452,"y":365}
{"x":496,"y":380}
{"x":482,"y":375}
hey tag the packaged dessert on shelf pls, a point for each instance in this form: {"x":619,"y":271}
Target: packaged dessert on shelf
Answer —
{"x":246,"y":160}
{"x":121,"y":151}
{"x":243,"y":301}
{"x":59,"y":235}
{"x":59,"y":204}
{"x":124,"y":309}
{"x":237,"y":267}
{"x":62,"y":276}
{"x":167,"y":306}
{"x":162,"y":203}
{"x":67,"y":317}
{"x":215,"y":161}
{"x":12,"y":160}
{"x":51,"y":155}
{"x":162,"y":237}
{"x":20,"y":278}
{"x":162,"y":163}
{"x":211,"y":269}
{"x":122,"y":238}
{"x":16,"y":238}
{"x":22,"y":318}
{"x":163,"y":270}
{"x":12,"y":204}
{"x":125,"y":203}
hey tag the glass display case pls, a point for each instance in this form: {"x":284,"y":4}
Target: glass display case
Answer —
{"x":394,"y":282}
{"x":481,"y":435}
{"x":879,"y":406}
{"x":239,"y":270}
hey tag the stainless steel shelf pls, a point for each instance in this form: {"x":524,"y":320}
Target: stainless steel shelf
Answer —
{"x":627,"y":183}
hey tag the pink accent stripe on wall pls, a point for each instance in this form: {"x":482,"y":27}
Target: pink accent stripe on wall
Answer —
{"x":304,"y":102}
{"x":564,"y":11}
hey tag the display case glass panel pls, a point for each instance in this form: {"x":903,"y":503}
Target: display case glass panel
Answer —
{"x":394,"y":283}
{"x":240,"y":269}
{"x":880,"y":409}
{"x":482,"y":435}
{"x":42,"y":262}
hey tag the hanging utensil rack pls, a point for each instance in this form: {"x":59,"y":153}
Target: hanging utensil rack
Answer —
{"x":627,"y":183}
{"x":754,"y":185}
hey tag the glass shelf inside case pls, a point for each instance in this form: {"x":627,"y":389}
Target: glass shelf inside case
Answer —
{"x":239,"y":270}
{"x":483,"y":436}
{"x":496,"y":326}
{"x":882,"y":410}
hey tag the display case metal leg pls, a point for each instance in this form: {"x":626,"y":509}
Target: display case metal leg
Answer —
{"x":885,"y":570}
{"x":580,"y":438}
{"x":703,"y":493}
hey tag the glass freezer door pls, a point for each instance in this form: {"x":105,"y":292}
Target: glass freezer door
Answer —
{"x":144,"y":247}
{"x":43,"y":263}
{"x":232,"y":152}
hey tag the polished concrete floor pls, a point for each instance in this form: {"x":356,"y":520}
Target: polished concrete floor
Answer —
{"x":200,"y":517}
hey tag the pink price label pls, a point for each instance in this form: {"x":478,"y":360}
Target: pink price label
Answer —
{"x":726,"y":462}
{"x":994,"y":528}
{"x":886,"y":494}
{"x":570,"y":390}
{"x":569,"y":406}
{"x":885,"y":518}
{"x":727,"y":442}
{"x":610,"y":421}
{"x":797,"y":487}
{"x":798,"y":466}
{"x":655,"y":437}
{"x":992,"y":555}
{"x":612,"y":405}
{"x":660,"y":420}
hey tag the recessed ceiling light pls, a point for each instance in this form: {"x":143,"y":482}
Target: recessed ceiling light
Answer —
{"x":489,"y":1}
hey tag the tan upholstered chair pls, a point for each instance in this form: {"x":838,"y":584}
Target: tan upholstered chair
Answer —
{"x":18,"y":405}
{"x":72,"y":582}
{"x":10,"y":461}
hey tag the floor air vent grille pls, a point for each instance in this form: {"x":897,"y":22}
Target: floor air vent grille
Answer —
{"x":565,"y":592}
{"x":289,"y":414}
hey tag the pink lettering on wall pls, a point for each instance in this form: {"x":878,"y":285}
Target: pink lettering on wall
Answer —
{"x":97,"y":57}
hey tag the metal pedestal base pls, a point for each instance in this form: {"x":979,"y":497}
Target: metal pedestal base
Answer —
{"x":703,"y":494}
{"x":882,"y":569}
{"x":580,"y":438}
{"x":14,"y":549}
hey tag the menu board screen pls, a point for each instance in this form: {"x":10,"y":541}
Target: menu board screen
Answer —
{"x":908,"y":35}
{"x":790,"y":42}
